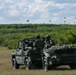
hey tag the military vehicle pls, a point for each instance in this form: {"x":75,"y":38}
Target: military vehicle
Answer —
{"x":26,"y":55}
{"x":59,"y":55}
{"x":40,"y":53}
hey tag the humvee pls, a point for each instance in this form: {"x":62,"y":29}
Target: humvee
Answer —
{"x":25,"y":55}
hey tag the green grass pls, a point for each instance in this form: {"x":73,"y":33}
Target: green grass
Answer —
{"x":6,"y":67}
{"x":6,"y":50}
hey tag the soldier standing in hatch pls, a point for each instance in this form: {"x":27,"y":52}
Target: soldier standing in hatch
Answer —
{"x":49,"y":42}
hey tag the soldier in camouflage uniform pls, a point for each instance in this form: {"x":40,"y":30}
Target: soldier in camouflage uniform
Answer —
{"x":37,"y":43}
{"x":27,"y":44}
{"x":49,"y":41}
{"x":30,"y":44}
{"x":42,"y":42}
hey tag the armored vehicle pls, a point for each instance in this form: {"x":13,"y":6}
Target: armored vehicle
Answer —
{"x":59,"y":55}
{"x":26,"y":54}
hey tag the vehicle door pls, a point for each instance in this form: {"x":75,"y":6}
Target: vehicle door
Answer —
{"x":19,"y":53}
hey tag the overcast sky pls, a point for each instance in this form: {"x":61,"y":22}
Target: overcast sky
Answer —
{"x":37,"y":11}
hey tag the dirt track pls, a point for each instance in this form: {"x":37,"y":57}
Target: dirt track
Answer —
{"x":6,"y":68}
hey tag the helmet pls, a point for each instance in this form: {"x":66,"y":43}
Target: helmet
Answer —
{"x":37,"y":36}
{"x":47,"y":37}
{"x":26,"y":41}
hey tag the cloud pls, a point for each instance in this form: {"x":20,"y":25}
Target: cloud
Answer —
{"x":0,"y":7}
{"x":1,"y":18}
{"x":63,"y":1}
{"x":14,"y":13}
{"x":37,"y":10}
{"x":8,"y":1}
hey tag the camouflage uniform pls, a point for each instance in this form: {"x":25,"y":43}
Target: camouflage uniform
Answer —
{"x":49,"y":41}
{"x":30,"y":43}
{"x":42,"y":42}
{"x":37,"y":43}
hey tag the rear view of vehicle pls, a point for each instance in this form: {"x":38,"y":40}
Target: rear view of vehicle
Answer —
{"x":67,"y":57}
{"x":60,"y":55}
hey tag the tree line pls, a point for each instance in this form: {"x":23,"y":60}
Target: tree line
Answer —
{"x":10,"y":34}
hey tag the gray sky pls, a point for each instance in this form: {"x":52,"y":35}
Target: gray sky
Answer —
{"x":37,"y":11}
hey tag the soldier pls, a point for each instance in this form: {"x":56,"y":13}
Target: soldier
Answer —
{"x":30,"y":43}
{"x":42,"y":42}
{"x":49,"y":41}
{"x":37,"y":43}
{"x":25,"y":44}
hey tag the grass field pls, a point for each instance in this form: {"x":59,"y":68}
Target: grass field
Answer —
{"x":6,"y":68}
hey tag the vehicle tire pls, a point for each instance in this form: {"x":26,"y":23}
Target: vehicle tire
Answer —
{"x":14,"y":64}
{"x":73,"y":66}
{"x":27,"y":64}
{"x":45,"y":65}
